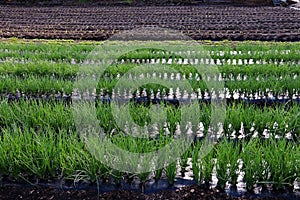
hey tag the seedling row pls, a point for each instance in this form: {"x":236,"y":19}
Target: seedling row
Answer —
{"x":240,"y":119}
{"x":33,"y":156}
{"x":62,"y":54}
{"x":69,"y":71}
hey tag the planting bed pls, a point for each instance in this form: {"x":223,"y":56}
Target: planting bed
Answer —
{"x":257,"y":146}
{"x":199,"y":22}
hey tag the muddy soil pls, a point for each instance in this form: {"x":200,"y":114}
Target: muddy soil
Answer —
{"x":190,"y":192}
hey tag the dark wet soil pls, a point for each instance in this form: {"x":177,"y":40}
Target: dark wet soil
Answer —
{"x":203,"y":22}
{"x":190,"y":192}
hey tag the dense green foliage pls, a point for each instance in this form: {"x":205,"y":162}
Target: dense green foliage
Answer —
{"x":39,"y":139}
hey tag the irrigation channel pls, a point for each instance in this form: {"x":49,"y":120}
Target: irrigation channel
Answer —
{"x":256,"y":151}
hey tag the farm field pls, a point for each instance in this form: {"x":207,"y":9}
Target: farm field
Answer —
{"x":198,"y":22}
{"x":257,"y":144}
{"x":215,"y":118}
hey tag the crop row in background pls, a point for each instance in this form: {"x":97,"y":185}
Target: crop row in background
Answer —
{"x":69,"y":52}
{"x":37,"y":69}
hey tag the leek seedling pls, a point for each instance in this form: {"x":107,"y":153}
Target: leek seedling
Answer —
{"x":227,"y":155}
{"x":252,"y":156}
{"x":202,"y":166}
{"x":281,"y":158}
{"x":158,"y":173}
{"x":171,"y":172}
{"x":143,"y":177}
{"x":184,"y":158}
